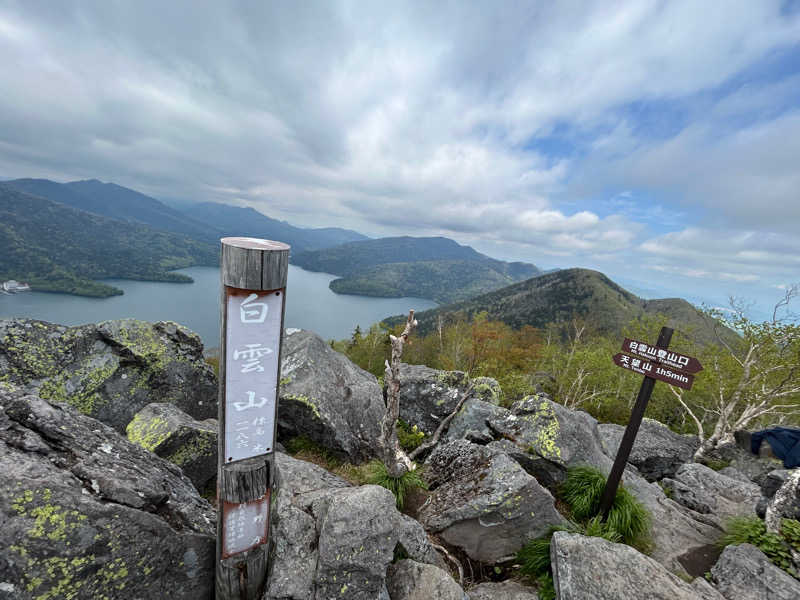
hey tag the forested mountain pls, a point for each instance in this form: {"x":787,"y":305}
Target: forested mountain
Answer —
{"x":559,"y":296}
{"x":435,"y":267}
{"x":117,"y":202}
{"x":57,"y":248}
{"x":240,"y":221}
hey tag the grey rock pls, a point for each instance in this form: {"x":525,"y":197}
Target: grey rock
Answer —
{"x":410,"y":580}
{"x":327,"y":398}
{"x":332,"y":540}
{"x":429,"y":395}
{"x":563,"y":438}
{"x":87,"y":514}
{"x":505,"y":590}
{"x":745,"y":573}
{"x":773,"y":482}
{"x":111,"y":370}
{"x":471,"y":422}
{"x":734,"y":473}
{"x":785,"y":503}
{"x":753,"y":466}
{"x":167,"y":431}
{"x":706,"y":491}
{"x":548,"y":473}
{"x":483,"y":502}
{"x":657,"y":451}
{"x":579,"y":561}
{"x":550,"y":430}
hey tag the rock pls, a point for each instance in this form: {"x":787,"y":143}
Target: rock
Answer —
{"x":429,"y":395}
{"x":471,"y":422}
{"x":86,"y":514}
{"x":557,"y":438}
{"x":410,"y":580}
{"x":657,"y":451}
{"x":327,"y":398}
{"x":483,"y":502}
{"x":728,"y":454}
{"x":706,"y":491}
{"x":547,"y":429}
{"x":506,"y":590}
{"x":167,"y":431}
{"x":590,"y":567}
{"x":332,"y":540}
{"x":734,"y":473}
{"x":744,"y":573}
{"x":785,"y":504}
{"x":773,"y":482}
{"x":111,"y":370}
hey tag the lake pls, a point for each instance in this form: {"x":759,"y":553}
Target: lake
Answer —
{"x":310,"y":304}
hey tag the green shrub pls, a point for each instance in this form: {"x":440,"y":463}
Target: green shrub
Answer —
{"x":409,"y":437}
{"x":752,"y":530}
{"x":378,"y":474}
{"x":716,"y":465}
{"x":790,"y":530}
{"x":545,"y":587}
{"x":583,"y":490}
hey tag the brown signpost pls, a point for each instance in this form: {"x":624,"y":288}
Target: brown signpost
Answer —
{"x":654,"y":370}
{"x":253,"y":274}
{"x":675,"y":360}
{"x":654,"y":362}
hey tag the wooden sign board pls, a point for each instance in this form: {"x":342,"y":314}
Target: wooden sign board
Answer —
{"x":244,"y":526}
{"x":654,"y":370}
{"x":687,"y":364}
{"x":251,"y":371}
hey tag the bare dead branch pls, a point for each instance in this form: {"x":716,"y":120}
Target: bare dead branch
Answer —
{"x":442,"y":426}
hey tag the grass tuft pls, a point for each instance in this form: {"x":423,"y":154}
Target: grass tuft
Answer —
{"x":377,"y":474}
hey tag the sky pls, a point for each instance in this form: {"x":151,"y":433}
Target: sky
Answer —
{"x":658,"y":142}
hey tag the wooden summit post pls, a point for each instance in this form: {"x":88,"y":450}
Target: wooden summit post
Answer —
{"x":253,"y":275}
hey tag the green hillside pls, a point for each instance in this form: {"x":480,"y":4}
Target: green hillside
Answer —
{"x":57,"y":248}
{"x":558,"y":297}
{"x":436,"y":268}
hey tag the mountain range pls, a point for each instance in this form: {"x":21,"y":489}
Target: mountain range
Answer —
{"x":560,"y":296}
{"x":437,"y":268}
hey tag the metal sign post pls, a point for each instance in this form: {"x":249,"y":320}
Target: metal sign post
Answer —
{"x":253,"y":273}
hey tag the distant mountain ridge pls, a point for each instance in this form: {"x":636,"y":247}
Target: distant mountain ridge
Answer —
{"x":437,"y":268}
{"x":559,"y":296}
{"x":58,"y":248}
{"x":244,"y":221}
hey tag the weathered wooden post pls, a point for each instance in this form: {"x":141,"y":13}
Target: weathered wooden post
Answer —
{"x":253,"y":274}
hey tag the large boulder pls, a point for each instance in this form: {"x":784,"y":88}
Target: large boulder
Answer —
{"x":332,"y":540}
{"x":706,"y":491}
{"x":110,"y":370}
{"x":483,"y":502}
{"x":657,"y":452}
{"x":505,"y":590}
{"x":410,"y":580}
{"x":472,"y":421}
{"x":86,"y":514}
{"x":327,"y":398}
{"x":744,"y":573}
{"x":754,"y":466}
{"x":590,"y":567}
{"x":429,"y":395}
{"x":785,"y":503}
{"x":167,"y":431}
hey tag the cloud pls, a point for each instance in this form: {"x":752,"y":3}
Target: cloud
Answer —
{"x":577,"y":131}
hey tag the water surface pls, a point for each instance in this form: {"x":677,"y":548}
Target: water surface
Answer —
{"x":310,"y":305}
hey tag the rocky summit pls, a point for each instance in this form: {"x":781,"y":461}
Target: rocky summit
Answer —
{"x":106,"y":435}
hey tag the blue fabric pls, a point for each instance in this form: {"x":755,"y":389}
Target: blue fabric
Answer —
{"x":785,"y":444}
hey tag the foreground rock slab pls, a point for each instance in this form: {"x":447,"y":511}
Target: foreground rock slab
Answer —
{"x":88,"y":515}
{"x":506,"y":590}
{"x":167,"y":431}
{"x":327,"y":398}
{"x":745,"y":573}
{"x":410,"y":580}
{"x":333,"y":540}
{"x":483,"y":502}
{"x":706,"y":491}
{"x":589,"y":567}
{"x":110,"y":370}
